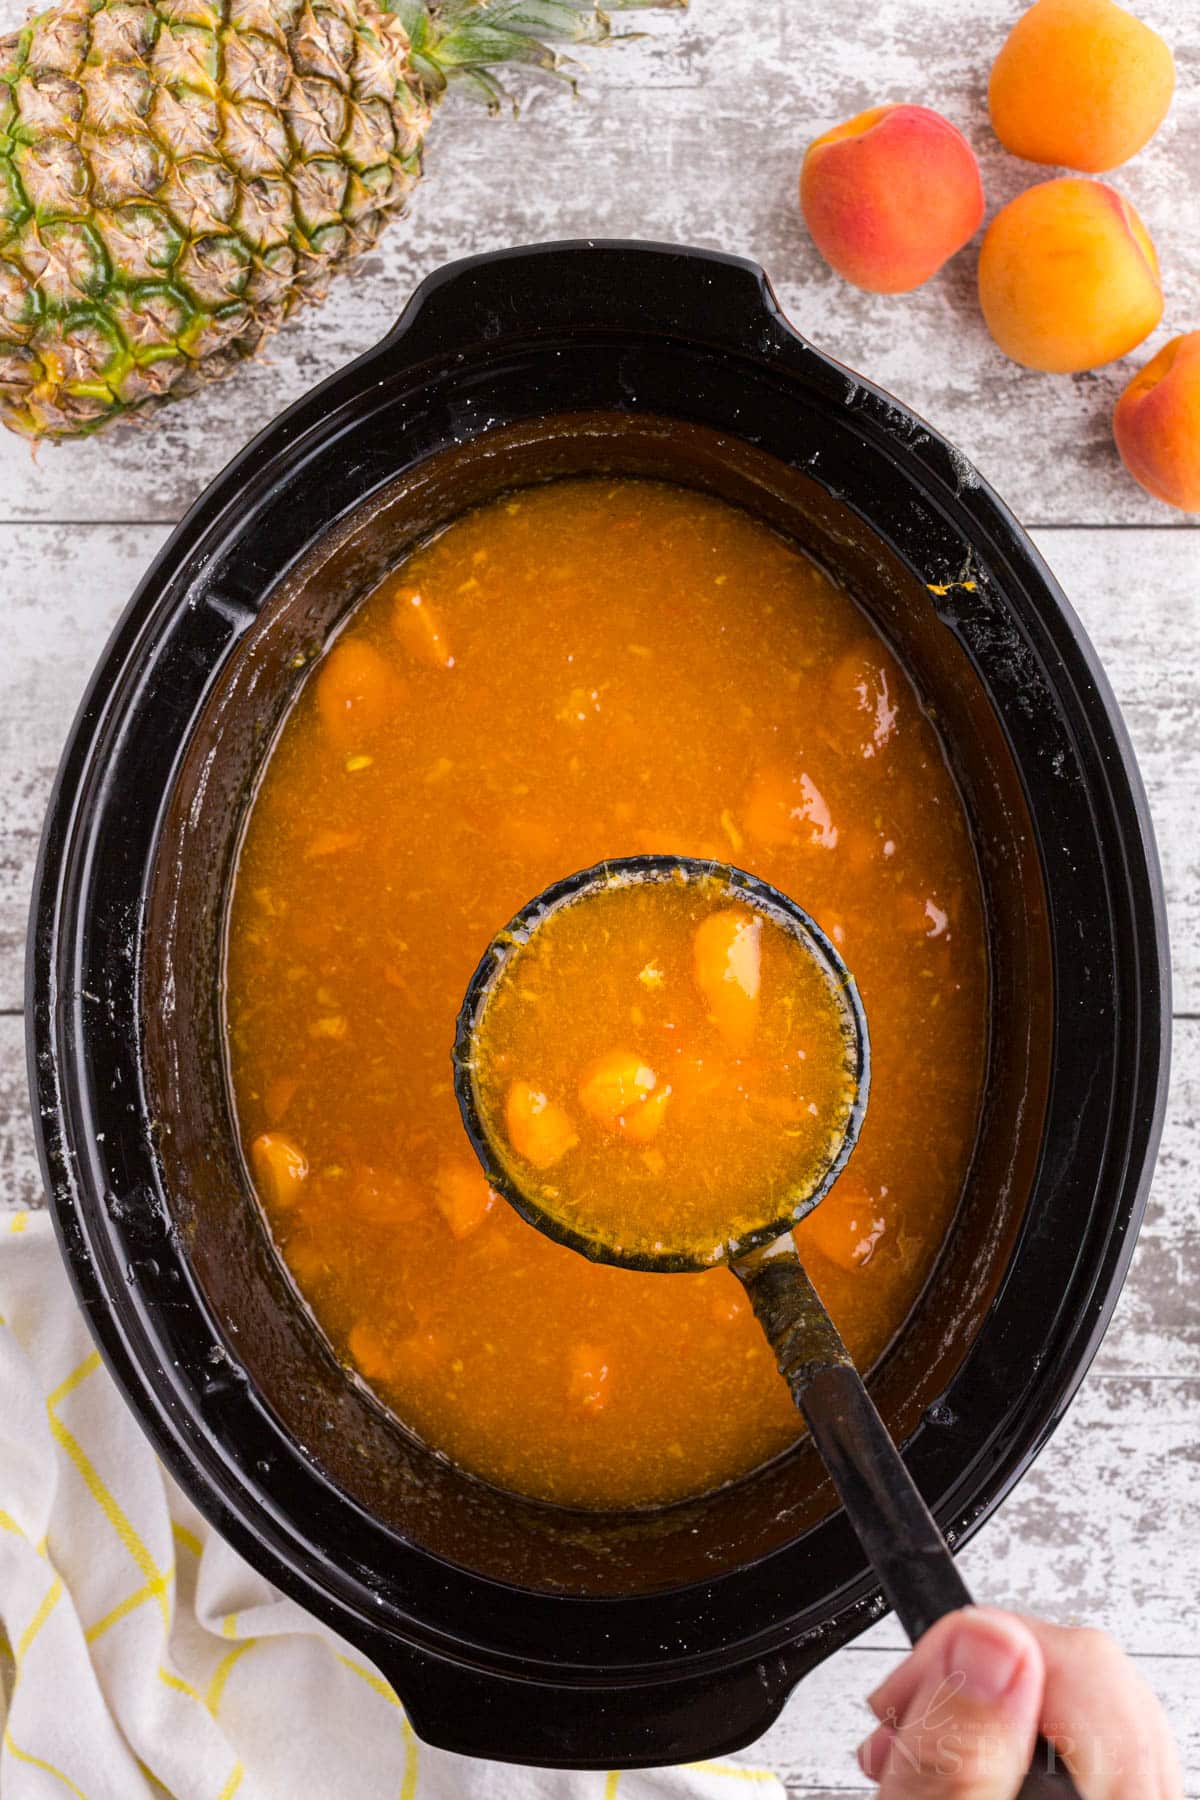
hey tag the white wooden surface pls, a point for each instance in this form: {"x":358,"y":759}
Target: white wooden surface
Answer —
{"x":695,"y":134}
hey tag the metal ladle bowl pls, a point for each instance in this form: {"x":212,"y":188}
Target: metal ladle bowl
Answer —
{"x":757,"y":896}
{"x":889,"y":1516}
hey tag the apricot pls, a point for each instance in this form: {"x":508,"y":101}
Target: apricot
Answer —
{"x":728,"y":968}
{"x":279,"y":1167}
{"x":622,"y":1093}
{"x":380,"y":1197}
{"x":538,"y":1128}
{"x":1080,"y":82}
{"x":845,"y":1227}
{"x":463,"y":1196}
{"x":1068,"y":277}
{"x":786,"y":807}
{"x":864,"y":686}
{"x":355,"y":692}
{"x":370,"y":1352}
{"x":419,"y":628}
{"x":890,"y":195}
{"x":1157,"y":424}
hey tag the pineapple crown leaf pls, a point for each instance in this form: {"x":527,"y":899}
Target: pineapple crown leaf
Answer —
{"x":466,"y":39}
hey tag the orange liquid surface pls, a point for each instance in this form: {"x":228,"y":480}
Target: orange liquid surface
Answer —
{"x":664,"y":1069}
{"x":588,"y":670}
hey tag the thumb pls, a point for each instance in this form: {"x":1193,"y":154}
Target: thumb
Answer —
{"x":959,"y":1716}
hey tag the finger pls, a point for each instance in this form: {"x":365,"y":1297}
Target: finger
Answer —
{"x":1102,"y":1718}
{"x":959,"y":1717}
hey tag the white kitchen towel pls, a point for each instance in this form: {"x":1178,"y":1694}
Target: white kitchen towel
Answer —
{"x":144,"y":1657}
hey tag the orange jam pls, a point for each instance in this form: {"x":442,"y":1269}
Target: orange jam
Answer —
{"x":663,"y":1068}
{"x":587,"y":670}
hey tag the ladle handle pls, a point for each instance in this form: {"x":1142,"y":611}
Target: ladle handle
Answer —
{"x":882,"y":1501}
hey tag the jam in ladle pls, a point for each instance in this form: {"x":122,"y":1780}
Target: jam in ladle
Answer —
{"x":709,"y":1070}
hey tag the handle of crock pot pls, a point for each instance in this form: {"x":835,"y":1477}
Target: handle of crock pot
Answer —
{"x":575,"y":288}
{"x":882,"y":1501}
{"x":480,"y":1713}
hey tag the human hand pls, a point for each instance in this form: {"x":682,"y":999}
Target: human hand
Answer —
{"x":959,"y":1717}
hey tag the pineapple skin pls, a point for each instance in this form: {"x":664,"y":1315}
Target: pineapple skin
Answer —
{"x":176,"y":177}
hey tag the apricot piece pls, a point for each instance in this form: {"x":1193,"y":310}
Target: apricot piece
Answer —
{"x":646,"y":1119}
{"x":617,"y":1089}
{"x":863,"y":690}
{"x":279,"y":1096}
{"x":538,"y":1128}
{"x":785,"y":806}
{"x":330,"y":843}
{"x":307,"y":1260}
{"x":890,"y":195}
{"x":419,"y":628}
{"x":355,"y":692}
{"x":845,"y":1226}
{"x":369,"y":1349}
{"x":379,"y":1197}
{"x":422,"y":1354}
{"x":463,"y":1196}
{"x":1157,"y":424}
{"x":1081,"y":83}
{"x":279,"y":1167}
{"x":588,"y":1377}
{"x":1068,"y":277}
{"x":727,"y":960}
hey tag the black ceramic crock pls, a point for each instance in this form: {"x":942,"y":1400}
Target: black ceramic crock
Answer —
{"x":511,"y":1629}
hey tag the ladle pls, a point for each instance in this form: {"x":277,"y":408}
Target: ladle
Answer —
{"x":891,"y":1520}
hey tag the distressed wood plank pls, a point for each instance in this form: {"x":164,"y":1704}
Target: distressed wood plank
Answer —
{"x":696,"y":135}
{"x":20,"y":1179}
{"x":1138,"y":592}
{"x":64,"y":593}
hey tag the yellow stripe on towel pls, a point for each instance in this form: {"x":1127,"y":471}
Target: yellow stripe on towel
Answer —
{"x":157,"y":1580}
{"x":734,"y":1770}
{"x":36,"y":1762}
{"x":50,"y":1600}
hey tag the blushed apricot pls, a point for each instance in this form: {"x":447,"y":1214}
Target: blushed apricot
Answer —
{"x":1157,"y":424}
{"x":890,"y":195}
{"x":418,"y":625}
{"x":728,"y":968}
{"x":1068,"y":277}
{"x":279,"y":1167}
{"x":538,"y":1129}
{"x":1081,"y":83}
{"x":463,"y":1196}
{"x":355,"y":692}
{"x":846,"y":1226}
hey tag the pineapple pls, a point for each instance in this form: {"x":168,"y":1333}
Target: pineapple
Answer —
{"x":178,"y":176}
